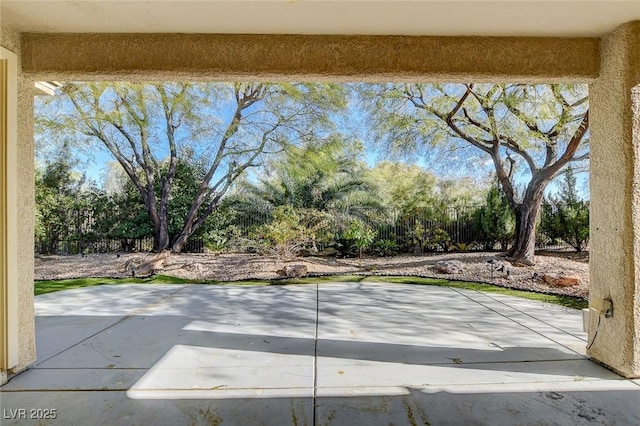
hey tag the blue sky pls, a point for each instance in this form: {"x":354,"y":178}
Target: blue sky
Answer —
{"x":95,"y":167}
{"x":92,"y":161}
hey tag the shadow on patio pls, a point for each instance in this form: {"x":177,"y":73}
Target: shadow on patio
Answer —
{"x":334,"y":354}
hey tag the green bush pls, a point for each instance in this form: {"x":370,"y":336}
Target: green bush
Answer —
{"x":292,"y":231}
{"x":417,"y":238}
{"x":285,"y":235}
{"x":565,"y":216}
{"x":385,"y":248}
{"x":360,"y":235}
{"x":568,"y":222}
{"x":439,"y":239}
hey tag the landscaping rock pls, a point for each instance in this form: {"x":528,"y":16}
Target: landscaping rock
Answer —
{"x":130,"y":264}
{"x":560,"y":281}
{"x":151,"y":266}
{"x":234,"y":267}
{"x":293,"y":271}
{"x":503,"y":267}
{"x":449,"y":267}
{"x":193,"y":267}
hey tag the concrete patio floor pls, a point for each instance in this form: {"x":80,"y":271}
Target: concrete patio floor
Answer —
{"x":333,"y":354}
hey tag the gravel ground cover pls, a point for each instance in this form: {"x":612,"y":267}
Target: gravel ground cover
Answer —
{"x":234,"y":267}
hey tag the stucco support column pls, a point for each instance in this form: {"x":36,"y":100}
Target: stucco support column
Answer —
{"x":20,"y":180}
{"x":614,"y":340}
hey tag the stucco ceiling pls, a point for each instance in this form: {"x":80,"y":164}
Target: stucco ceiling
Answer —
{"x":569,"y":18}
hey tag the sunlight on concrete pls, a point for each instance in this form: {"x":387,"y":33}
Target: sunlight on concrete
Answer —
{"x":337,"y":353}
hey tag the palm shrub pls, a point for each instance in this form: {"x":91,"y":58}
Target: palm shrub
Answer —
{"x":324,"y":175}
{"x":463,"y":247}
{"x":384,"y":247}
{"x":324,"y":182}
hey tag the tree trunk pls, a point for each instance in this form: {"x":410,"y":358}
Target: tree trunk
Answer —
{"x":160,"y":238}
{"x":179,"y":243}
{"x":188,"y":228}
{"x":160,"y":225}
{"x":192,"y":224}
{"x":526,"y":215}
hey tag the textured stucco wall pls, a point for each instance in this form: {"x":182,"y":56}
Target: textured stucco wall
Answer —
{"x":635,"y":101}
{"x":615,"y":168}
{"x":10,"y":39}
{"x":615,"y":201}
{"x":299,"y":57}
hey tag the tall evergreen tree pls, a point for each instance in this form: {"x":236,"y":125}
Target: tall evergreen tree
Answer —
{"x":494,"y":221}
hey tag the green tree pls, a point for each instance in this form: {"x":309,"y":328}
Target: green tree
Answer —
{"x":566,"y":216}
{"x":58,"y":195}
{"x":122,"y":215}
{"x":322,"y":175}
{"x":409,"y":189}
{"x":360,"y":235}
{"x":146,"y":127}
{"x":324,"y":179}
{"x":494,"y":221}
{"x":404,"y":187}
{"x":461,"y":192}
{"x":537,"y":129}
{"x":326,"y":184}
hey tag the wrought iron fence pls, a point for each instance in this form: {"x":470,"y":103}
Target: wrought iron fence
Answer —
{"x":421,"y":230}
{"x":84,"y":244}
{"x":456,"y":222}
{"x":80,"y":245}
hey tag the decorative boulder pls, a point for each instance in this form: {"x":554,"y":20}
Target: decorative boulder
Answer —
{"x":293,"y":271}
{"x":560,"y":281}
{"x":449,"y":267}
{"x":150,"y":267}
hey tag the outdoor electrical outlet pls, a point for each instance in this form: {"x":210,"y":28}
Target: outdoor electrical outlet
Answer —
{"x":603,"y":307}
{"x":608,"y":313}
